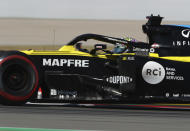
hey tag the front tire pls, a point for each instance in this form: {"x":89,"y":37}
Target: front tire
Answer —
{"x":18,"y":79}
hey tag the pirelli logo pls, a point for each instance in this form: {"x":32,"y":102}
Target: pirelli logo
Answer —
{"x":66,"y":62}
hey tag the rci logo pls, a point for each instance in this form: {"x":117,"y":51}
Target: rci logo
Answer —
{"x":153,"y":72}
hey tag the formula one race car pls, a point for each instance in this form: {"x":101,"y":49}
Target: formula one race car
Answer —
{"x":132,"y":70}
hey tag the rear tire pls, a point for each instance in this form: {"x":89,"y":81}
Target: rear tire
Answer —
{"x":18,"y":79}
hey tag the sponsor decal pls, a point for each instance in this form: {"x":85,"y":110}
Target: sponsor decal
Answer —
{"x":155,"y":45}
{"x":130,"y":58}
{"x":153,"y":72}
{"x":186,"y":33}
{"x":140,"y":49}
{"x":62,"y":94}
{"x":66,"y":62}
{"x":119,"y":79}
{"x":152,"y":50}
{"x":53,"y":92}
{"x":181,"y":43}
{"x":172,"y":75}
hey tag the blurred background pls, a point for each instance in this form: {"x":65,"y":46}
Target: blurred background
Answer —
{"x":48,"y":24}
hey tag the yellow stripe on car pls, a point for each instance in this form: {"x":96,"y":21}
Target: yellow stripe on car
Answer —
{"x":71,"y":50}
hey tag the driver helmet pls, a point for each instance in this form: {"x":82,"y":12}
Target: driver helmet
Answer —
{"x":119,"y":48}
{"x":130,"y":39}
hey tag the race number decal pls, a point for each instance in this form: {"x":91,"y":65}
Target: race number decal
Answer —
{"x":153,"y":72}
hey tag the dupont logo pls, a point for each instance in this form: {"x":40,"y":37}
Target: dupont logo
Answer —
{"x":186,"y":33}
{"x":119,"y":79}
{"x":153,"y":72}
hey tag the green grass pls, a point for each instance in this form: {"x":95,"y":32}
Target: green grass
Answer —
{"x":35,"y":129}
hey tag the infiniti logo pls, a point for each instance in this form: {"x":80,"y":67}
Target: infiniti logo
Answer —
{"x":186,"y":33}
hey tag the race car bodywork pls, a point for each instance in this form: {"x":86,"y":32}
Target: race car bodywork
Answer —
{"x":157,"y":69}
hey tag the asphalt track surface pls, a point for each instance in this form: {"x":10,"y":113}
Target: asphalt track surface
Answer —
{"x":62,"y":117}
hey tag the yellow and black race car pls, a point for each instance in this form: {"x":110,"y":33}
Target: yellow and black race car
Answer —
{"x":131,"y":71}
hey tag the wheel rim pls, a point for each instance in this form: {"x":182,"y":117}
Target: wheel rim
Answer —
{"x":32,"y":78}
{"x":15,"y":77}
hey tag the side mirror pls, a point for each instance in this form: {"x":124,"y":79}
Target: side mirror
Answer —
{"x":100,"y":46}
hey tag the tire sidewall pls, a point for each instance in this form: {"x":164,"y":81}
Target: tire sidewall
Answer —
{"x":31,"y":85}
